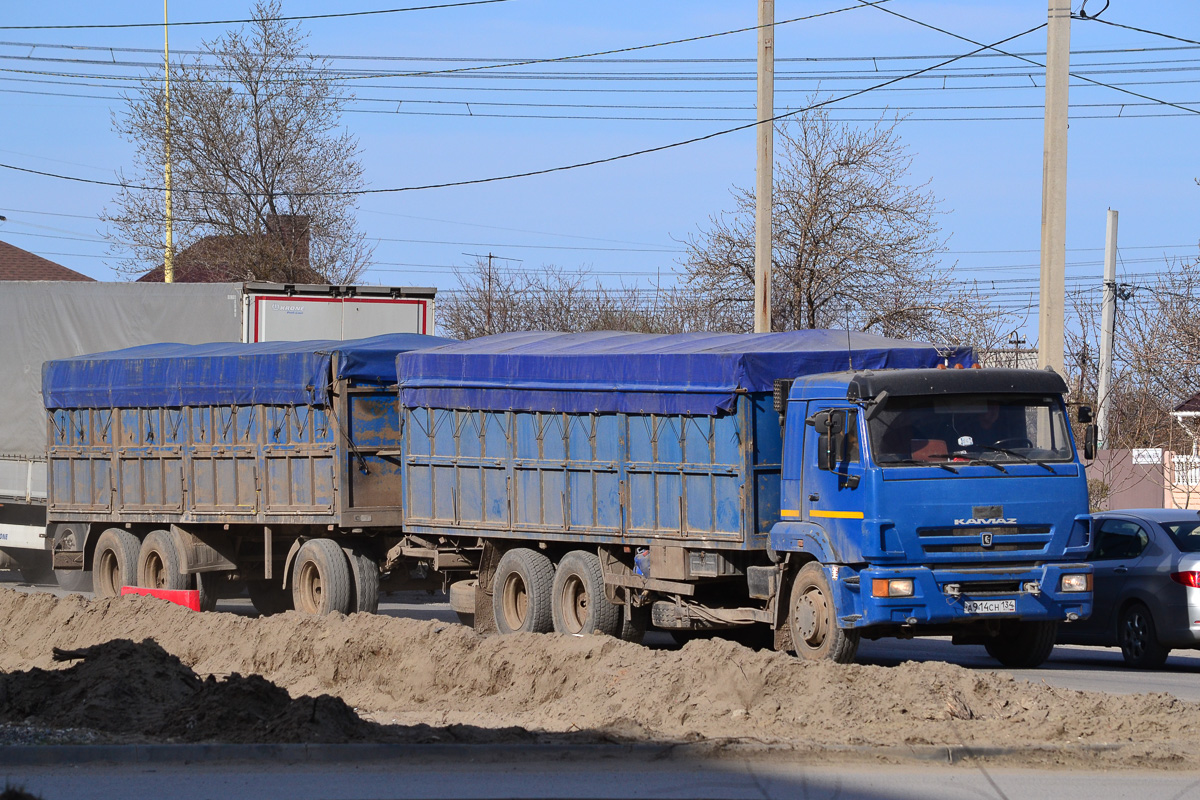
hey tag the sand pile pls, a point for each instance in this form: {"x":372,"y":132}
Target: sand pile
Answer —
{"x":441,"y":675}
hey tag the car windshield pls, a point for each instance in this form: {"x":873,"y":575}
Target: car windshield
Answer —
{"x":970,"y":428}
{"x":1186,"y":535}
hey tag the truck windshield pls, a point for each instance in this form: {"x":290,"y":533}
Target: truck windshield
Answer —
{"x":970,"y":428}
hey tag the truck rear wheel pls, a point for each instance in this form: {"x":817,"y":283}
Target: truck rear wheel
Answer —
{"x":35,"y":567}
{"x":158,"y":563}
{"x":1022,"y":645}
{"x":365,"y":594}
{"x":578,"y":605}
{"x":321,"y":579}
{"x":812,"y":618}
{"x":522,"y":589}
{"x":114,"y":564}
{"x":269,"y":597}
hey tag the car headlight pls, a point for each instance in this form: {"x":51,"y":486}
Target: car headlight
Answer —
{"x":1076,"y":582}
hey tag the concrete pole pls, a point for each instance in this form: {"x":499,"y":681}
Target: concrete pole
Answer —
{"x":1108,"y":324}
{"x":1052,"y":304}
{"x":169,"y":247}
{"x":766,"y":158}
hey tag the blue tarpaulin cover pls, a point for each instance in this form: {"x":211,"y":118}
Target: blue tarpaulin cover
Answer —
{"x":607,"y":371}
{"x":222,"y":373}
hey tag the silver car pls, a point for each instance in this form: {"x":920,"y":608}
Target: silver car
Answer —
{"x":1147,"y":585}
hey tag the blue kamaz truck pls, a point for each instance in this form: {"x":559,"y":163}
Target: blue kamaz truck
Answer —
{"x":805,"y":489}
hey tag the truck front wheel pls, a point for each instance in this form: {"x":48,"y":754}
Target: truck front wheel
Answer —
{"x":522,"y":590}
{"x":114,"y":564}
{"x":812,"y":619}
{"x":1022,"y":645}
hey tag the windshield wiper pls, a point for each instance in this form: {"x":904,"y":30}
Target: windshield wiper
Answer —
{"x":986,"y":463}
{"x":1015,"y":454}
{"x":914,"y":463}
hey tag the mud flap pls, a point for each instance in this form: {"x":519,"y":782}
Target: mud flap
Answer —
{"x":485,"y":614}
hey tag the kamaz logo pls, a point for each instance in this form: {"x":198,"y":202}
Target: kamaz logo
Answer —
{"x":989,"y":521}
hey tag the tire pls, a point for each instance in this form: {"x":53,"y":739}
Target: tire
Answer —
{"x":522,"y":590}
{"x":114,"y":563}
{"x":269,"y":597}
{"x":321,"y":579}
{"x":206,"y":584}
{"x":462,"y":601}
{"x":364,"y":596}
{"x":72,"y":580}
{"x":1023,"y":645}
{"x":633,"y":628}
{"x":158,"y":563}
{"x":812,"y":618}
{"x":75,"y":580}
{"x":1138,"y":638}
{"x":578,"y":605}
{"x":35,"y":567}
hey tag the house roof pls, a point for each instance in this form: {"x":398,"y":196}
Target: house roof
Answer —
{"x":21,"y":265}
{"x":1191,"y":404}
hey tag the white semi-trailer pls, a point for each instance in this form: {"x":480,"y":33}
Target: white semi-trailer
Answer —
{"x":44,"y":320}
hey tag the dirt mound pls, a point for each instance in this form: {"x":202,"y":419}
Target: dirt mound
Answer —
{"x":140,"y":689}
{"x":448,"y":684}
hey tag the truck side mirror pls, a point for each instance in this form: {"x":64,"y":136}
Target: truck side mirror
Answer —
{"x":831,"y":439}
{"x":1090,"y":434}
{"x":1085,"y":414}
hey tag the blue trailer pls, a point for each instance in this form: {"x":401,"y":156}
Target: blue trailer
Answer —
{"x":225,"y":465}
{"x":814,"y":487}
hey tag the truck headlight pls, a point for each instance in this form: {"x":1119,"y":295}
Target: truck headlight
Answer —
{"x":892,"y":587}
{"x":1076,"y":583}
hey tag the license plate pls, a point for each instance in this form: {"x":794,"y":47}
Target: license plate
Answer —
{"x":990,"y":606}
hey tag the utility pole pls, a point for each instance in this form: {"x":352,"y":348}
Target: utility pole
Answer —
{"x":1108,"y":324}
{"x":1054,"y":188}
{"x":169,"y":250}
{"x":766,"y":159}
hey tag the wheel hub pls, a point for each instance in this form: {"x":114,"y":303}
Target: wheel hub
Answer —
{"x":811,"y":612}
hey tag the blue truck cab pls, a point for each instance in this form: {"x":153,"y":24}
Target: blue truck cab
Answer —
{"x":932,"y":502}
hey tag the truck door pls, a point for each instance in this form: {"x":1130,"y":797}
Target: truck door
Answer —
{"x":832,"y":470}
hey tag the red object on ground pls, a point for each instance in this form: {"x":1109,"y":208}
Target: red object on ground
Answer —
{"x":188,"y":598}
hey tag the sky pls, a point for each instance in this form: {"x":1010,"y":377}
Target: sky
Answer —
{"x":974,"y":127}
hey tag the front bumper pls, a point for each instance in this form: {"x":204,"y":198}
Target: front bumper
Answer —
{"x":932,"y":604}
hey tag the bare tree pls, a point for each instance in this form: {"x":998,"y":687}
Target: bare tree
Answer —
{"x":495,"y":298}
{"x":855,"y":243}
{"x":260,"y":164}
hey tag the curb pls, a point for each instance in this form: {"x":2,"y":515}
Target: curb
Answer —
{"x":64,"y":755}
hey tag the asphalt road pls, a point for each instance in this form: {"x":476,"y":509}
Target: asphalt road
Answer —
{"x":586,"y":775}
{"x":1069,"y":667}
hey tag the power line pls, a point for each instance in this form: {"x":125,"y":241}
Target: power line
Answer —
{"x":1031,"y":61}
{"x":578,"y":165}
{"x":338,"y":15}
{"x":1139,"y":30}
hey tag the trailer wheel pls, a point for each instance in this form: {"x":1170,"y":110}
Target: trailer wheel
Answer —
{"x":522,"y":588}
{"x":321,"y":579}
{"x":813,"y":619}
{"x":634,"y":628}
{"x":35,"y":567}
{"x":365,"y":595}
{"x":1022,"y":645}
{"x":578,"y":604}
{"x":206,"y":585}
{"x":269,"y":597}
{"x":158,"y":563}
{"x":114,"y":564}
